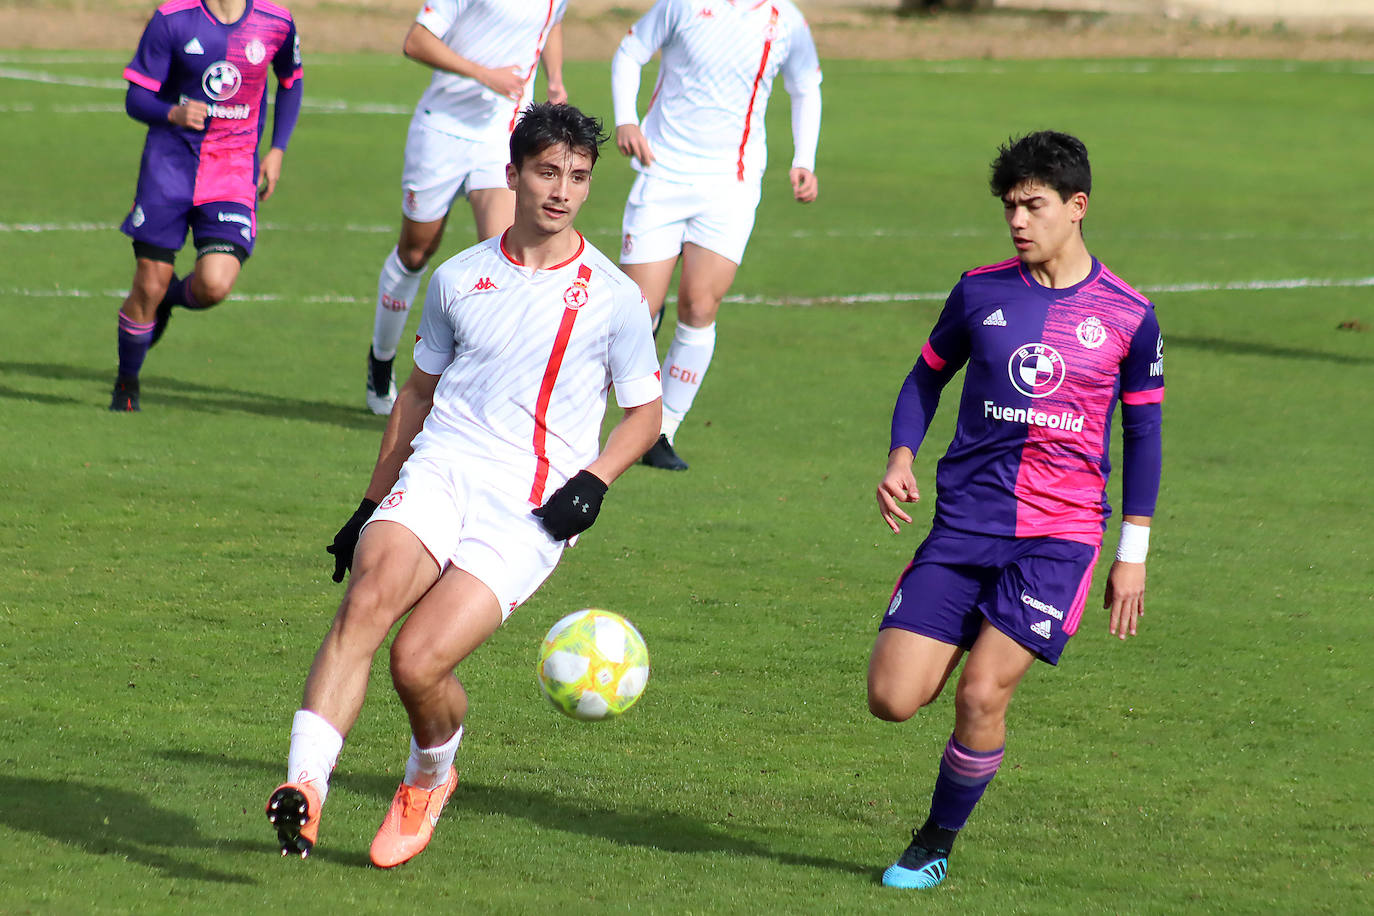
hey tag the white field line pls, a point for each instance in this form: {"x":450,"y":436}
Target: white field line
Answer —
{"x":777,"y":301}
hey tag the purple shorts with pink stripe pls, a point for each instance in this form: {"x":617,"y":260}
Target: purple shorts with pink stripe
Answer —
{"x":1032,"y":589}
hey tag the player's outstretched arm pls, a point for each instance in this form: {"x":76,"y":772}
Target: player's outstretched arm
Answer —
{"x":898,"y":485}
{"x":423,"y":46}
{"x":412,"y":406}
{"x":637,"y":430}
{"x":1125,"y":592}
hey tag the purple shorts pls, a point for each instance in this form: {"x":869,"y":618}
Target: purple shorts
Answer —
{"x":163,"y":224}
{"x":1032,"y":589}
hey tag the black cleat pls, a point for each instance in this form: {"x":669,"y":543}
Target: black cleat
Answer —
{"x":125,"y":396}
{"x":297,"y":826}
{"x":381,"y":386}
{"x":661,"y":455}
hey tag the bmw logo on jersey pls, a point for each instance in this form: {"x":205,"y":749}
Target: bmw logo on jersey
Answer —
{"x":221,"y":80}
{"x":1036,"y":369}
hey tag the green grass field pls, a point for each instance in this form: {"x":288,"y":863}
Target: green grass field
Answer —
{"x":163,"y":583}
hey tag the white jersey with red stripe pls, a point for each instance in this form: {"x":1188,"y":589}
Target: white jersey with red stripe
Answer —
{"x":720,"y":58}
{"x":493,"y":33}
{"x":525,"y":358}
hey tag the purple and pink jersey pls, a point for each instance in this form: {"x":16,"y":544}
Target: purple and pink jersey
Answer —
{"x":187,"y":54}
{"x":1045,"y":368}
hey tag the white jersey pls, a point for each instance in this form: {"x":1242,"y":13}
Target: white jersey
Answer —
{"x":525,"y":358}
{"x":493,"y":33}
{"x":720,"y":57}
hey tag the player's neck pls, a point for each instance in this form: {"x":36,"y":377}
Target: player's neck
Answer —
{"x":226,"y":11}
{"x":537,"y":251}
{"x":1066,"y":268}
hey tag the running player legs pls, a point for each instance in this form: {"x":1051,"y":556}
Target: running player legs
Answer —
{"x":706,"y":278}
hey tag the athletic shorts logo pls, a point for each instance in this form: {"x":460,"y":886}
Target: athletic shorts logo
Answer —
{"x":1035,"y":603}
{"x":1091,"y":333}
{"x":1036,"y":369}
{"x":896,"y":603}
{"x":256,"y":52}
{"x":627,"y":245}
{"x":393,"y":499}
{"x":137,"y":218}
{"x":221,"y":80}
{"x":1042,"y":629}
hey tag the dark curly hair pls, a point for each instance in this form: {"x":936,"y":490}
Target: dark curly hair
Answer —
{"x":544,"y":124}
{"x":1054,"y":159}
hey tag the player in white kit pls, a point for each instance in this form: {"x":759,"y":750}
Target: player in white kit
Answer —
{"x":488,"y":467}
{"x":701,"y":153}
{"x":484,"y":54}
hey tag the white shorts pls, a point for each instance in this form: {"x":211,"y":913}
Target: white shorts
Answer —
{"x":482,"y":531}
{"x":660,"y":216}
{"x":439,"y":166}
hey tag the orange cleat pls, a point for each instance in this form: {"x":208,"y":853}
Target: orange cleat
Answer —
{"x":409,"y":823}
{"x":294,"y":809}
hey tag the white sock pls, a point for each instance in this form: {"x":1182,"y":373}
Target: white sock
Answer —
{"x":427,"y":767}
{"x":315,"y":746}
{"x":684,"y":366}
{"x":396,"y":291}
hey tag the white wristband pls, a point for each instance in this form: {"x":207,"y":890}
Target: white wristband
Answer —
{"x":1134,"y":544}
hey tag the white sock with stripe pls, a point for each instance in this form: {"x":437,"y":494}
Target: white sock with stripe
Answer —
{"x":684,"y":366}
{"x":315,"y":746}
{"x":396,"y":291}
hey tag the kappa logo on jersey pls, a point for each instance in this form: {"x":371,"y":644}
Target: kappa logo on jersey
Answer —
{"x":483,"y":285}
{"x":896,"y":603}
{"x":256,"y":52}
{"x":221,"y":80}
{"x":393,"y":499}
{"x":995,"y":320}
{"x":1036,"y":369}
{"x":1041,"y":629}
{"x":1157,"y":367}
{"x":193,"y":47}
{"x":1091,"y":333}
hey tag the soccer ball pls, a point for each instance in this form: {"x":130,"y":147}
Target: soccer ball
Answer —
{"x":593,"y":664}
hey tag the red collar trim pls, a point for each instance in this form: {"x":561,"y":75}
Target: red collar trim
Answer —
{"x":581,"y":247}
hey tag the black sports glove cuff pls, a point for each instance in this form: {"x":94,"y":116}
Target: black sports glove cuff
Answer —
{"x":573,"y":507}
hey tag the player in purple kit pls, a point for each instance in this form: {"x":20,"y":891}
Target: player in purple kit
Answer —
{"x":199,"y":81}
{"x":1051,"y":340}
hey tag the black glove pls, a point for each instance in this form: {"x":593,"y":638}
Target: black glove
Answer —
{"x":573,"y":507}
{"x":346,"y":541}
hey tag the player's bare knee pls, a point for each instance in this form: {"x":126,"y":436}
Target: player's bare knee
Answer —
{"x":895,"y":706}
{"x":981,"y":700}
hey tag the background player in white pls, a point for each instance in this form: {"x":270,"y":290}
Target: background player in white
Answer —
{"x":701,"y":154}
{"x":484,"y":54}
{"x":521,"y":337}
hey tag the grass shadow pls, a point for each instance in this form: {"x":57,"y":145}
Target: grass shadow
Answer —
{"x":103,"y":821}
{"x":650,"y":828}
{"x":1255,"y":348}
{"x":162,"y":390}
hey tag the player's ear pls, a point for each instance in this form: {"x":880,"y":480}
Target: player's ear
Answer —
{"x":511,"y":173}
{"x":1079,"y":206}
